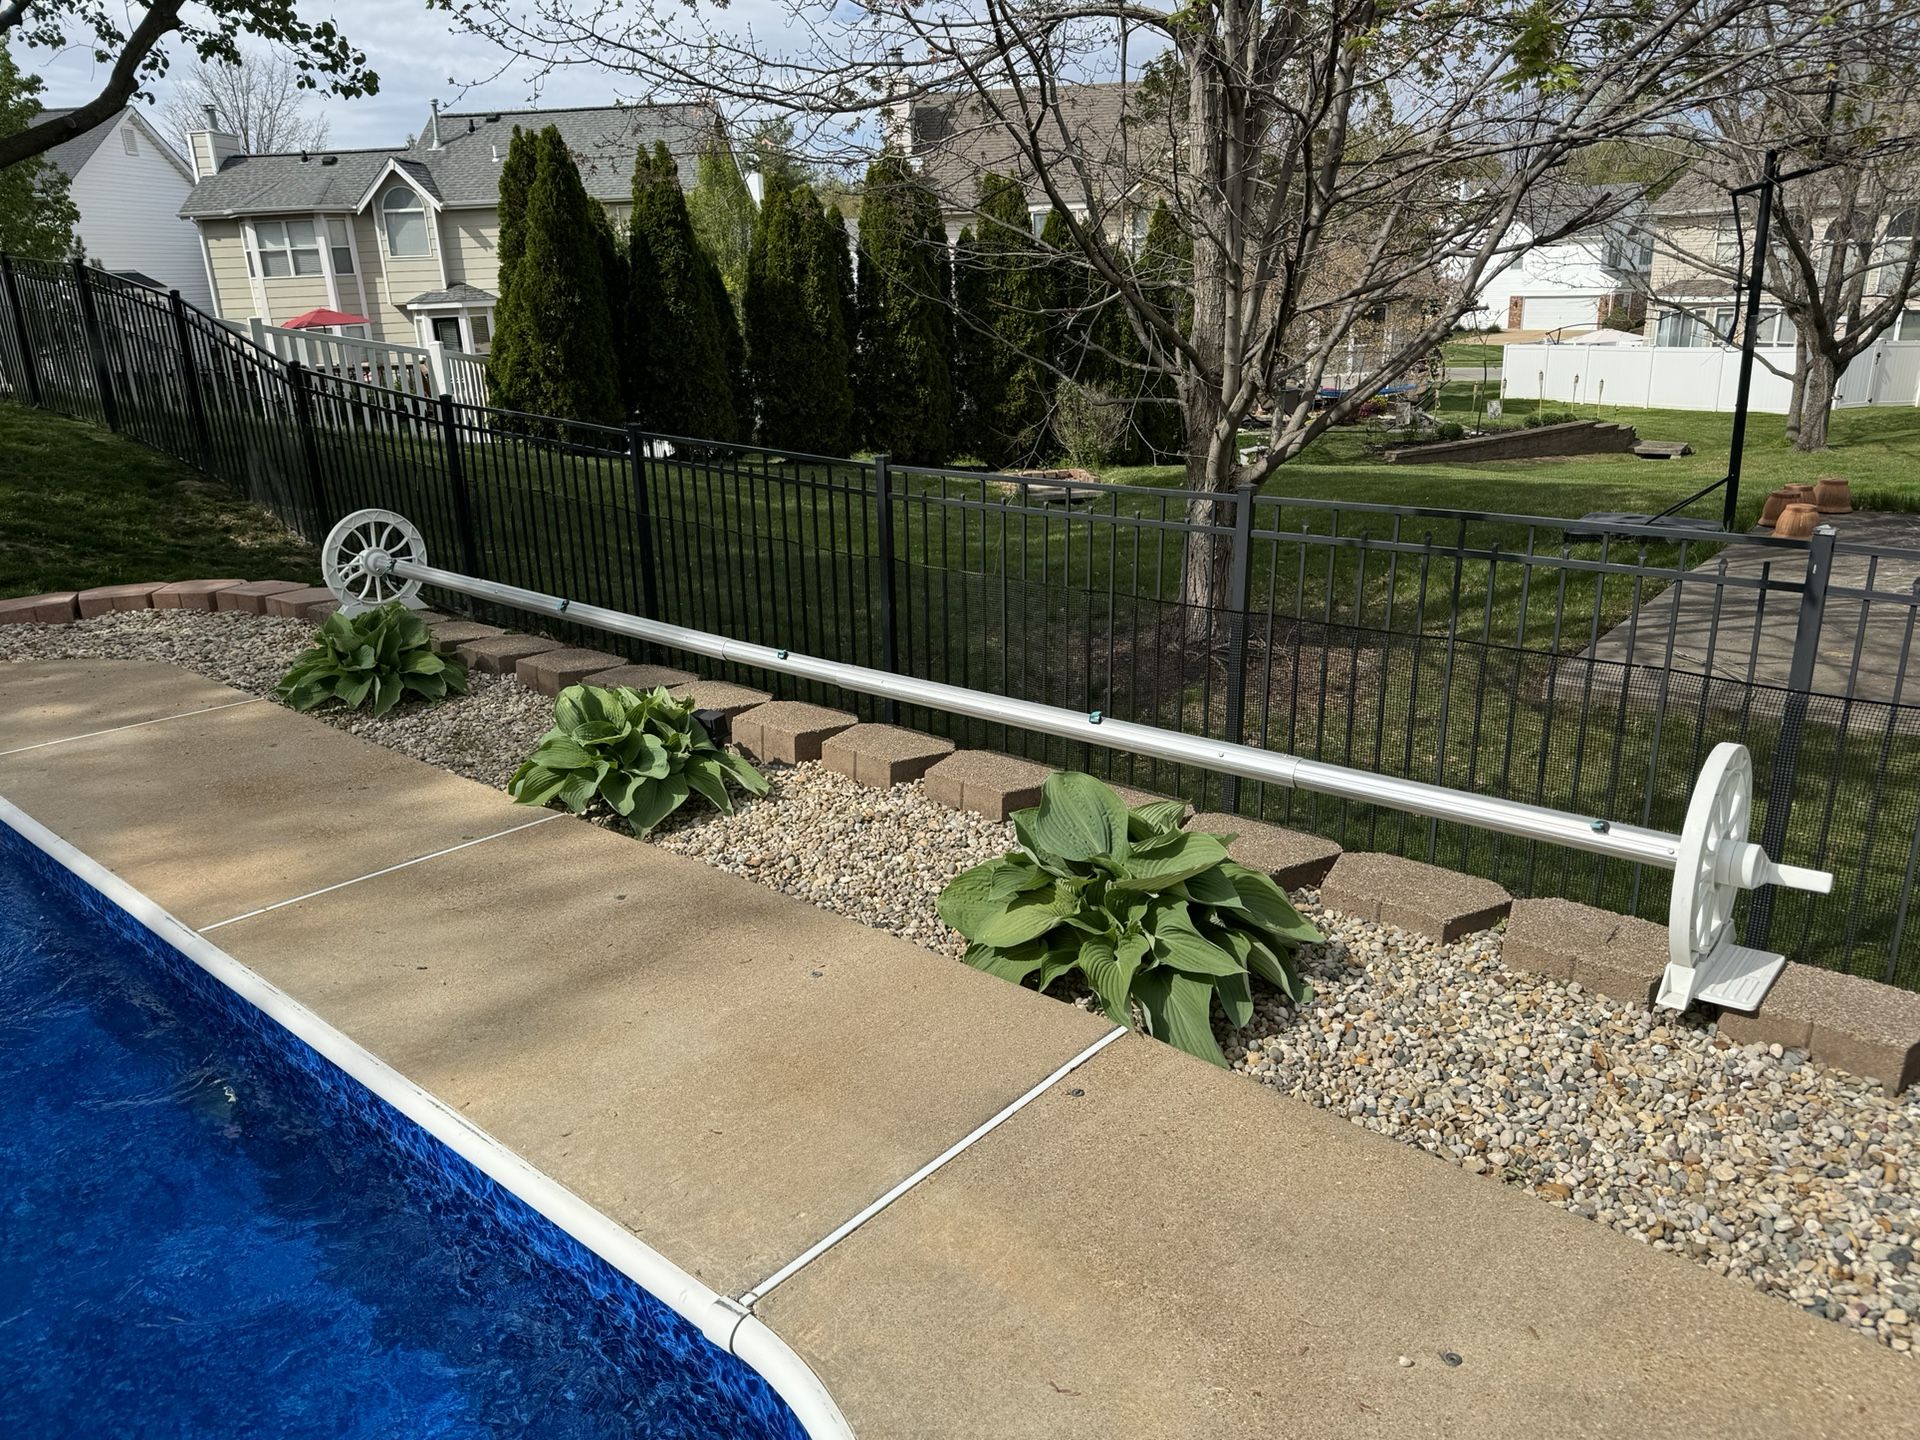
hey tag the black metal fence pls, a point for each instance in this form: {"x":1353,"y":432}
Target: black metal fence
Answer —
{"x":1589,"y":668}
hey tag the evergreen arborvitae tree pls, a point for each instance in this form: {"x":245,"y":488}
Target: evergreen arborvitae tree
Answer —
{"x":1013,"y":425}
{"x":613,"y":277}
{"x":796,"y":347}
{"x":826,"y":286}
{"x":905,"y":380}
{"x":975,"y":376}
{"x":722,"y":212}
{"x":1166,"y":264}
{"x":516,"y":179}
{"x":553,"y":347}
{"x":683,"y":382}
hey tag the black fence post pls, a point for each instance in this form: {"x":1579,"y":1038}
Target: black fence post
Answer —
{"x":96,"y":345}
{"x":889,"y":596}
{"x":462,"y":498}
{"x":190,"y":382}
{"x":643,"y":522}
{"x":29,"y":369}
{"x":1783,"y":774}
{"x":309,"y":449}
{"x":1238,"y":568}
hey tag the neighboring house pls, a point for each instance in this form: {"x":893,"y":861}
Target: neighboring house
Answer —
{"x":1117,"y":131}
{"x":405,"y":236}
{"x":1592,"y":259}
{"x":128,"y":185}
{"x":1699,"y":254}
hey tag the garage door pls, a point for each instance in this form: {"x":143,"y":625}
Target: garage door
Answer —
{"x":1550,"y":312}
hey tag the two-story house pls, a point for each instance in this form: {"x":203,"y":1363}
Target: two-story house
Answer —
{"x":1584,"y":253}
{"x":128,"y":184}
{"x":408,"y":236}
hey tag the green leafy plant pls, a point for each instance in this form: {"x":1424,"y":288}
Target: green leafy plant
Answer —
{"x":1153,"y":917}
{"x":641,"y":751}
{"x":372,"y":659}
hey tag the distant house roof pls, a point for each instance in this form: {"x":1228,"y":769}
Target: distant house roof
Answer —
{"x":465,"y":170}
{"x":1561,"y":208}
{"x":1118,"y":130}
{"x":461,"y":294}
{"x":69,"y":155}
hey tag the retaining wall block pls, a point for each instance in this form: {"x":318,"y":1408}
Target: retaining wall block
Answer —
{"x":1295,"y":859}
{"x":551,"y":671}
{"x":883,"y":755}
{"x":787,"y":730}
{"x":191,"y":594}
{"x":1416,"y":897}
{"x":986,"y":782}
{"x":107,"y":599}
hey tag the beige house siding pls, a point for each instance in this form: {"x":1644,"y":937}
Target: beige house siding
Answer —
{"x":227,"y":259}
{"x":473,"y":258}
{"x":1677,"y":246}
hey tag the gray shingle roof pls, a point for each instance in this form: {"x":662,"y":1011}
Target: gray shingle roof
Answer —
{"x":464,"y":170}
{"x":69,"y":155}
{"x":1118,"y":130}
{"x":461,"y":294}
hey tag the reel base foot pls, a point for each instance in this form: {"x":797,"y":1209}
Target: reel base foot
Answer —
{"x":1733,"y":977}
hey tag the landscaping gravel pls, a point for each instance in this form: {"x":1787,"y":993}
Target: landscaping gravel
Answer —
{"x":1796,"y":1179}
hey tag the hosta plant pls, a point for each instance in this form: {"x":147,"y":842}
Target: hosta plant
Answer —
{"x":371,"y":659}
{"x":640,"y":751}
{"x":1157,"y":920}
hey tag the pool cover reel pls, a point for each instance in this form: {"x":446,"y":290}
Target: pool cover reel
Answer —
{"x":375,"y":556}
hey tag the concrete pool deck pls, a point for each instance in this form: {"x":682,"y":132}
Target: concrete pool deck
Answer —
{"x":1151,"y":1249}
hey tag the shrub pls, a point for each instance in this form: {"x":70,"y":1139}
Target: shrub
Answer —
{"x":1550,"y":417}
{"x":1091,"y":424}
{"x":1452,"y":430}
{"x":378,"y":656}
{"x":641,"y":751}
{"x":1149,"y":914}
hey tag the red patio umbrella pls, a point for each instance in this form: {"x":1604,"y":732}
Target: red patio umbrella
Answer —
{"x":322,"y":319}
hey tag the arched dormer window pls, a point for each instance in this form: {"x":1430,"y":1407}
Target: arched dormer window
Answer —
{"x":405,"y":219}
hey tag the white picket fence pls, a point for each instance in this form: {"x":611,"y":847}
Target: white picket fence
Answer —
{"x":1698,"y":377}
{"x":423,"y":370}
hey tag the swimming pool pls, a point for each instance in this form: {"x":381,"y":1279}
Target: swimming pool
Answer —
{"x":208,"y":1227}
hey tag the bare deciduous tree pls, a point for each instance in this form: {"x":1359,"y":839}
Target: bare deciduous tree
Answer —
{"x":1324,"y":158}
{"x":258,"y":101}
{"x":1843,"y":257}
{"x":136,"y":40}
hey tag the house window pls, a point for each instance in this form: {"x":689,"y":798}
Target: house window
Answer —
{"x":1726,"y":246}
{"x":406,"y":221}
{"x":340,"y":245}
{"x":1676,"y":327}
{"x":1908,"y":327}
{"x":351,"y":332}
{"x":1775,"y":328}
{"x":1896,"y":246}
{"x":286,"y":247}
{"x":129,"y":141}
{"x":446,"y":330}
{"x":482,"y":328}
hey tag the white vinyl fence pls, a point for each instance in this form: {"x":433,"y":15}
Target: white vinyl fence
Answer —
{"x":424,"y":370}
{"x":1696,"y":377}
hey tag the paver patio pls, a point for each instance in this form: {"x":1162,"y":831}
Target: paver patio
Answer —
{"x":1153,"y":1248}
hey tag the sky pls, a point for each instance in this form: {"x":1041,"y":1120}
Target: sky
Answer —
{"x":416,"y":56}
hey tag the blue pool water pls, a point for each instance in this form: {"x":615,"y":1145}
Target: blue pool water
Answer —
{"x":207,"y":1231}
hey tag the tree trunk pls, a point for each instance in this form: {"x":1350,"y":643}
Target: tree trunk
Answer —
{"x":1796,"y":402}
{"x":1816,"y":403}
{"x":1208,"y":557}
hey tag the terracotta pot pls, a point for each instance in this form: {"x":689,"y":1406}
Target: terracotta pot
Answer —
{"x":1832,"y":495}
{"x":1776,"y":502}
{"x":1797,"y":522}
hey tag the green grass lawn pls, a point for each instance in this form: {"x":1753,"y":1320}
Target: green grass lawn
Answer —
{"x":1472,"y":352}
{"x":80,"y":506}
{"x":1877,"y":449}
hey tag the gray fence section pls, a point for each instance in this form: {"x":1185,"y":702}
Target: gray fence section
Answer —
{"x":1585,"y":668}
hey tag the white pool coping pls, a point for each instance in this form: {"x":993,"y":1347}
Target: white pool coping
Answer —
{"x":724,"y":1322}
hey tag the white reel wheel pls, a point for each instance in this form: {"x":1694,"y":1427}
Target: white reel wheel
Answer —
{"x":356,"y":561}
{"x":1715,"y":833}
